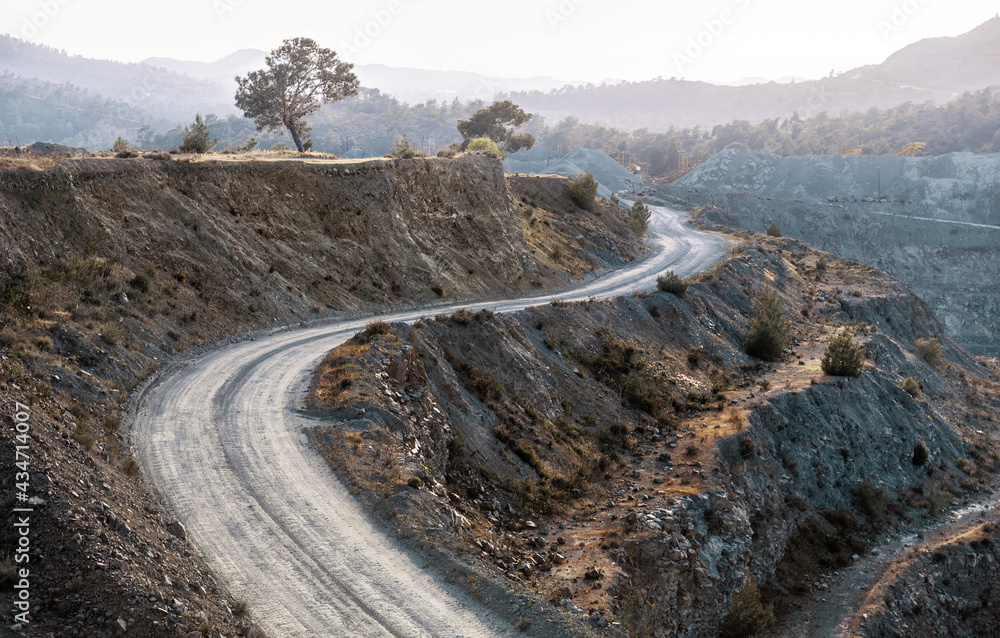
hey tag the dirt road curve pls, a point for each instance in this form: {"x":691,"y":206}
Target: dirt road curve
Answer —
{"x":221,"y":441}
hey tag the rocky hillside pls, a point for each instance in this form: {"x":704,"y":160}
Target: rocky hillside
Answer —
{"x":110,"y":267}
{"x":635,"y":466}
{"x":936,"y":226}
{"x":948,"y":590}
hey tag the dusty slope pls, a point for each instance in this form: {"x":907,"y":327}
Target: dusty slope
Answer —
{"x":627,"y":457}
{"x":933,"y":231}
{"x":202,"y":251}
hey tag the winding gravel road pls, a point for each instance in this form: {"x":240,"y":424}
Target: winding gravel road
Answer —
{"x":221,"y":440}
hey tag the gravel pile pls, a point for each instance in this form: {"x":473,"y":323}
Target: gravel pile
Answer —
{"x":542,"y":160}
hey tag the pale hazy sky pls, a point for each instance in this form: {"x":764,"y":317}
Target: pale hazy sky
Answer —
{"x":589,"y":40}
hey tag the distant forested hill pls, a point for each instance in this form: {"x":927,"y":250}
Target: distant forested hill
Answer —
{"x":33,"y":110}
{"x":158,"y":91}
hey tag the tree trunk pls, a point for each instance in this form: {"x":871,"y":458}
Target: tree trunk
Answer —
{"x":295,"y":135}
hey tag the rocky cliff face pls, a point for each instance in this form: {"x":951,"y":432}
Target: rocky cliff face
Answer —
{"x":832,"y":202}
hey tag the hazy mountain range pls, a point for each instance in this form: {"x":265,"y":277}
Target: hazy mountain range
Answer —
{"x":169,"y":91}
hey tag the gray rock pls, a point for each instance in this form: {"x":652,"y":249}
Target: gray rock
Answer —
{"x":177,"y":529}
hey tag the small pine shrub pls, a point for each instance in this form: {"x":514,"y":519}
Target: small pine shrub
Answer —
{"x":240,"y":608}
{"x":843,"y":357}
{"x":672,"y":283}
{"x":112,"y":333}
{"x":696,"y":356}
{"x":774,"y":230}
{"x":415,"y":482}
{"x":770,"y":332}
{"x":402,"y":149}
{"x":196,"y":138}
{"x":748,"y":617}
{"x":930,"y":351}
{"x":911,"y":386}
{"x":85,"y":436}
{"x":583,"y":191}
{"x":485,"y":146}
{"x":872,"y":501}
{"x":130,"y":466}
{"x":375,"y":329}
{"x":920,"y":453}
{"x":14,"y":290}
{"x":249,"y":146}
{"x":638,"y":218}
{"x":43,"y":343}
{"x":820,"y":263}
{"x":123,"y":148}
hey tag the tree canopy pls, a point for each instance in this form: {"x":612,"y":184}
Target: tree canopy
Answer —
{"x":299,"y":77}
{"x":498,"y":122}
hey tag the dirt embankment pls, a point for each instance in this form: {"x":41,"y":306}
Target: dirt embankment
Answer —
{"x":947,"y":590}
{"x":110,"y":267}
{"x":935,"y":226}
{"x":630,"y":461}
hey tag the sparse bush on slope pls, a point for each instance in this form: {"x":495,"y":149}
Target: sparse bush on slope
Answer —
{"x":583,"y":190}
{"x":770,"y":331}
{"x":843,"y":357}
{"x":638,"y":218}
{"x":672,"y":283}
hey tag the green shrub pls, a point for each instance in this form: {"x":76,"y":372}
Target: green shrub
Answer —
{"x":638,"y":218}
{"x":249,"y":146}
{"x":112,"y":333}
{"x":911,"y":386}
{"x":85,"y":436}
{"x":277,"y":146}
{"x":583,"y":191}
{"x":872,"y":501}
{"x":770,"y":332}
{"x":930,"y":351}
{"x":14,"y":290}
{"x":747,"y":618}
{"x":402,"y":149}
{"x":843,"y":357}
{"x":773,"y":230}
{"x":122,"y":148}
{"x":696,"y":356}
{"x":820,"y":263}
{"x":672,"y":283}
{"x":438,"y":290}
{"x":415,"y":482}
{"x":920,"y":453}
{"x":43,"y":343}
{"x":484,"y":145}
{"x":938,"y":496}
{"x":376,"y":329}
{"x":196,"y":138}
